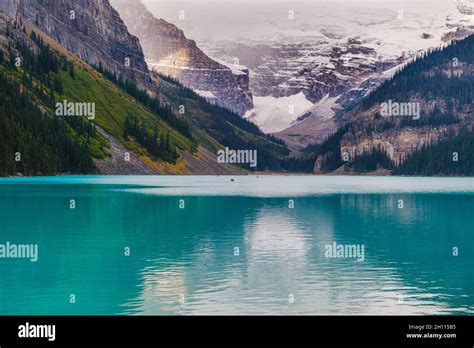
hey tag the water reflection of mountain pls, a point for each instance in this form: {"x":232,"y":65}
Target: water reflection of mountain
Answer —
{"x":283,"y":255}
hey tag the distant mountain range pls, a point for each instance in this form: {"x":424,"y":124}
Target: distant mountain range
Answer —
{"x":313,"y":61}
{"x":162,"y":105}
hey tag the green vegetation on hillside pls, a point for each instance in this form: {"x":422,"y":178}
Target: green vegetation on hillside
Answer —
{"x":51,"y":144}
{"x":451,"y":156}
{"x":33,"y":142}
{"x":442,"y":77}
{"x":228,"y":128}
{"x":432,"y":76}
{"x":329,"y":150}
{"x":153,"y":103}
{"x":157,"y":145}
{"x":369,"y":161}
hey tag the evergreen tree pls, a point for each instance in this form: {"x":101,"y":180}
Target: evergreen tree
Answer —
{"x":167,"y":142}
{"x":58,"y":87}
{"x":71,"y":71}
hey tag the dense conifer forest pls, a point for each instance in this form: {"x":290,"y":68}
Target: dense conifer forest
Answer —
{"x":34,"y":143}
{"x":451,"y":156}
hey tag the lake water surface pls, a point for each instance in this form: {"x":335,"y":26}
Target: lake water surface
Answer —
{"x":255,"y":245}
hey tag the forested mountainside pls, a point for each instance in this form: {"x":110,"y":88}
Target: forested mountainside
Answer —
{"x":36,"y":140}
{"x":37,"y":73}
{"x":419,"y":122}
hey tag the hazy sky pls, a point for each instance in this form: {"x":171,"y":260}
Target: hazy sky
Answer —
{"x":208,"y":20}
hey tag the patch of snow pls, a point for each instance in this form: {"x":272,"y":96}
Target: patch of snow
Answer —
{"x":276,"y":114}
{"x":205,"y":94}
{"x":236,"y":69}
{"x":153,"y":64}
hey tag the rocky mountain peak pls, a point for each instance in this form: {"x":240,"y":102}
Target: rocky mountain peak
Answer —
{"x":169,"y":52}
{"x":91,"y":29}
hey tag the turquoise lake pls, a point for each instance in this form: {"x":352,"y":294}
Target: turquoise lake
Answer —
{"x":186,"y":245}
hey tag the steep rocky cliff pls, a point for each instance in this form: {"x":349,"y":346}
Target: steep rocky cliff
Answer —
{"x":169,"y":52}
{"x":90,"y":29}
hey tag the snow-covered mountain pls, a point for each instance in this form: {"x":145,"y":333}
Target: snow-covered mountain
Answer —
{"x":309,"y":60}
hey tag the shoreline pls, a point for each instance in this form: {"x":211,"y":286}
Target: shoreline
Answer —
{"x":257,"y":174}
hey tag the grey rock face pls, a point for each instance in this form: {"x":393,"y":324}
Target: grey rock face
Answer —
{"x":115,"y":164}
{"x":9,"y":7}
{"x":169,"y":52}
{"x":91,"y":29}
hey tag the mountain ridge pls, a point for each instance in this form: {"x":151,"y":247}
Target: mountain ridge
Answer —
{"x":91,"y":29}
{"x":170,"y":53}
